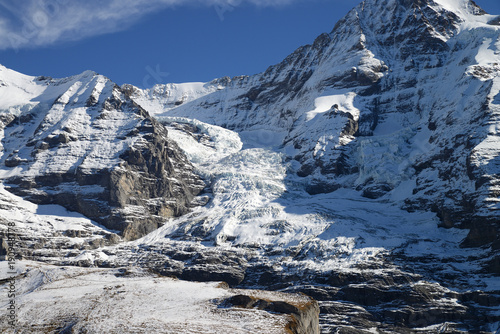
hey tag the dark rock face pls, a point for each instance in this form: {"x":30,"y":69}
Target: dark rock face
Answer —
{"x":118,"y":168}
{"x":207,"y":273}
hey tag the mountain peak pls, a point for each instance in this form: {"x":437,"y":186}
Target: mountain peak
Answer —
{"x":460,"y":12}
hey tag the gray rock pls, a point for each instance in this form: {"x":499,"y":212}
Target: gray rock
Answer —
{"x":150,"y":181}
{"x":305,"y":314}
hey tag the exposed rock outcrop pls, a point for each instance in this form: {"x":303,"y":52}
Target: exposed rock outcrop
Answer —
{"x":102,"y":156}
{"x":304,"y":311}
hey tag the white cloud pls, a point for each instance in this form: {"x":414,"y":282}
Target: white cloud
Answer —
{"x":34,"y":23}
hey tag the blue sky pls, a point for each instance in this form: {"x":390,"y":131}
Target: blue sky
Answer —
{"x":144,"y":42}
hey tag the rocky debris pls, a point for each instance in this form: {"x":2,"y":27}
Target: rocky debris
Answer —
{"x":399,"y":308}
{"x":40,"y":234}
{"x":210,"y":273}
{"x":190,"y":263}
{"x":376,"y":190}
{"x":385,"y":296}
{"x":14,"y":161}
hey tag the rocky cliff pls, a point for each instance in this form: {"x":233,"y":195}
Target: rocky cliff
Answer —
{"x":81,"y":143}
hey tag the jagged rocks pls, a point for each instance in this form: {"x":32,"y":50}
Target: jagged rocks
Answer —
{"x":376,"y":191}
{"x":382,"y":66}
{"x":397,"y":106}
{"x":14,"y":161}
{"x":482,"y":232}
{"x":189,"y":263}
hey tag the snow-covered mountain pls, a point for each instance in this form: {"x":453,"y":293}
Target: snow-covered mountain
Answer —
{"x":362,"y":170}
{"x":81,"y":143}
{"x":399,"y":98}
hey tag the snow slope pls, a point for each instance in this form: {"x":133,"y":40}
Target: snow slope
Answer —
{"x":97,"y":143}
{"x":395,"y":109}
{"x":255,"y":204}
{"x":129,"y":300}
{"x":268,"y":219}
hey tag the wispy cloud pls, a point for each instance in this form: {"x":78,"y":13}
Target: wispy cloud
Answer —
{"x":35,"y":23}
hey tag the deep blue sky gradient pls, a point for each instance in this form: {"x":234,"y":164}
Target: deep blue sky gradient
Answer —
{"x":192,"y":43}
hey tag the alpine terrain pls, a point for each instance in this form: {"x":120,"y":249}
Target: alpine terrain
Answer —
{"x":363,"y":171}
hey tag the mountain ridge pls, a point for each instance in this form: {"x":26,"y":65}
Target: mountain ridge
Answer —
{"x":88,"y":148}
